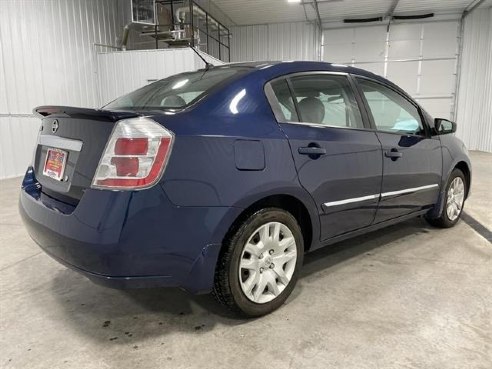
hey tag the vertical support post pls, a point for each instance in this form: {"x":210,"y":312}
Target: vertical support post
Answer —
{"x":229,"y":45}
{"x":459,"y":57}
{"x":206,"y":29}
{"x":156,"y":39}
{"x":320,"y":24}
{"x":191,"y":24}
{"x":155,"y":25}
{"x":220,"y":45}
{"x":173,"y":21}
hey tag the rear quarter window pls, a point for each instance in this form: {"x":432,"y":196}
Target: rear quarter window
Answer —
{"x":176,"y":92}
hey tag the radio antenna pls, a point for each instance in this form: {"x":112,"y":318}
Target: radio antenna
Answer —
{"x":207,"y":64}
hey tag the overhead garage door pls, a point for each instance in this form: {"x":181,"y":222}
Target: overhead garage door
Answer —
{"x":419,"y":57}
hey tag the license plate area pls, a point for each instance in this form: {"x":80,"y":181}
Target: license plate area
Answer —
{"x":54,"y":165}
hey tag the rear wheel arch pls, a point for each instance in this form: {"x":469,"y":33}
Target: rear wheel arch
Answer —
{"x":255,"y":265}
{"x":286,"y":202}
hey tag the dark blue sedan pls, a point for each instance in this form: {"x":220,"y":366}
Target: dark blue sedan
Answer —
{"x":221,"y":179}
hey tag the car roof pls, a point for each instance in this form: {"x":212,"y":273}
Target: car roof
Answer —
{"x":273,"y":69}
{"x":292,"y":66}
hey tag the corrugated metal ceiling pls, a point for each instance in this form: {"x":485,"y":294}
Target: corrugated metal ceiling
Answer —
{"x":274,"y":11}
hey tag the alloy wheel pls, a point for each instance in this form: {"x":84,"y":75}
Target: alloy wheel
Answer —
{"x":456,"y":197}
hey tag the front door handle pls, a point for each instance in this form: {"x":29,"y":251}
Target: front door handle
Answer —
{"x":312,"y":151}
{"x":393,"y":154}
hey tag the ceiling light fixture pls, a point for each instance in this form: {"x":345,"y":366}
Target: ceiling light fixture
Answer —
{"x":293,"y":1}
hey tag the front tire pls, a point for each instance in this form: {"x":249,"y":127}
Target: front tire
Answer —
{"x":456,"y":189}
{"x":259,"y":265}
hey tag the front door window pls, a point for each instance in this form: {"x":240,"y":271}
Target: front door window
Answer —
{"x":391,"y":111}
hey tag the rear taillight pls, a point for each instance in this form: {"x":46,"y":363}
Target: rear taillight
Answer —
{"x":135,"y":156}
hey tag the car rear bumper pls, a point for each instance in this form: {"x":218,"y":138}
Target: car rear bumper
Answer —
{"x":128,"y":239}
{"x":121,"y":282}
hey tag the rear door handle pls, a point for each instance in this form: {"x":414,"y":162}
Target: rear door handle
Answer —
{"x":393,"y":154}
{"x":312,"y":151}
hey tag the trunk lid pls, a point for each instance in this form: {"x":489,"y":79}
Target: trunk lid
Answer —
{"x":78,"y":136}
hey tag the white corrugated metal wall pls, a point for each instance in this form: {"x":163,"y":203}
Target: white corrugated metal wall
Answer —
{"x":474,"y":110}
{"x":279,"y":41}
{"x":146,"y":66}
{"x":47,"y":56}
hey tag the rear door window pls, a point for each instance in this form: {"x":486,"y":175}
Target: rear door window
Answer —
{"x":319,"y":98}
{"x":327,"y":100}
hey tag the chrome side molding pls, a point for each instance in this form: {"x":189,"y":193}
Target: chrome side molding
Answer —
{"x":383,"y":194}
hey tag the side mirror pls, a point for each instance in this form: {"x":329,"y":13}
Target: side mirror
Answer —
{"x":444,"y":126}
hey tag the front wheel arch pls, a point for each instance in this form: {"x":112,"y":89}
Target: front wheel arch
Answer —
{"x":440,"y":219}
{"x":438,"y":208}
{"x":463,"y":166}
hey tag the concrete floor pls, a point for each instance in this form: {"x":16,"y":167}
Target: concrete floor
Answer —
{"x":409,"y":296}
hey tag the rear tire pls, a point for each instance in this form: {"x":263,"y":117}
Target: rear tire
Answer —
{"x":454,"y":201}
{"x":259,"y":264}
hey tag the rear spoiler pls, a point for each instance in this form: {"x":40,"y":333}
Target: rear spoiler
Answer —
{"x":82,"y":113}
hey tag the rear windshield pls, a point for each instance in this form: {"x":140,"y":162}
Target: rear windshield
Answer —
{"x":175,"y":92}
